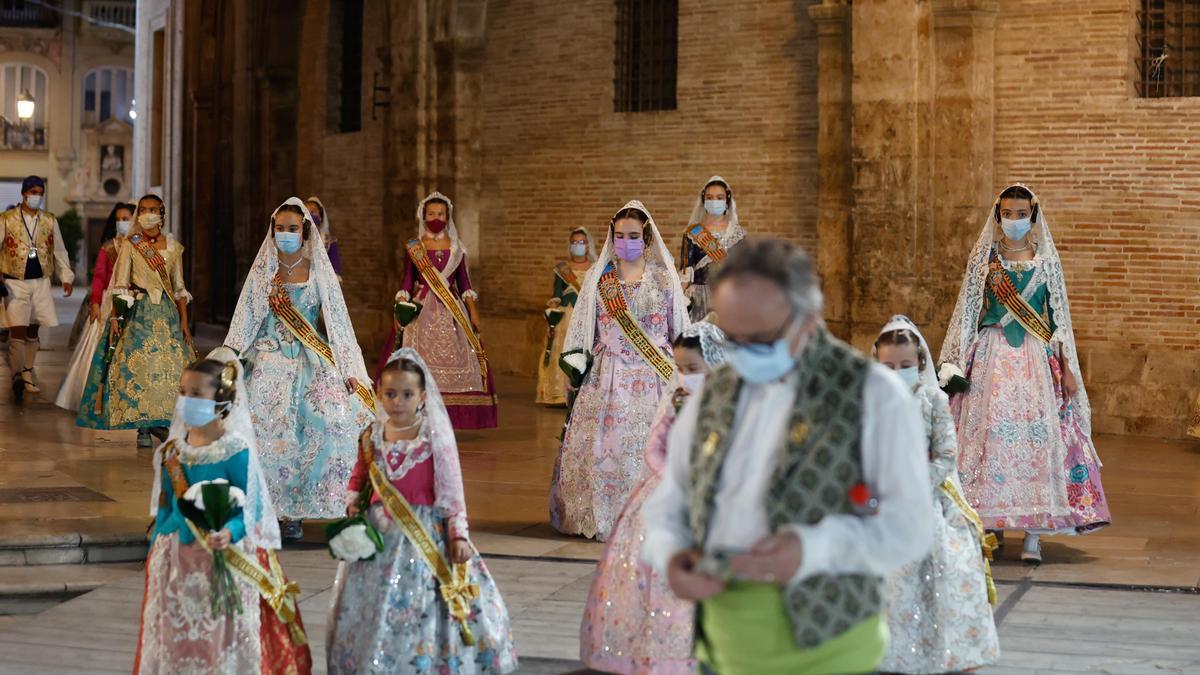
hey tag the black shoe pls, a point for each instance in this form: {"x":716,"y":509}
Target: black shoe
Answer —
{"x":291,"y":530}
{"x":18,"y":389}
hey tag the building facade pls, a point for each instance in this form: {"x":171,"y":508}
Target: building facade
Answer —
{"x":876,"y":134}
{"x":76,"y":63}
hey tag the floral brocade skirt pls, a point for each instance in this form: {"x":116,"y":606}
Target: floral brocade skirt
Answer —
{"x":938,"y":611}
{"x":600,"y":460}
{"x":1024,"y":459}
{"x":307,"y":427}
{"x":180,"y":636}
{"x":633,"y":623}
{"x":388,"y":615}
{"x":140,"y":385}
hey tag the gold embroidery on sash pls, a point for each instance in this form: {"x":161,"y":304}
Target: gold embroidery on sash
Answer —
{"x":288,"y":315}
{"x":614,"y":304}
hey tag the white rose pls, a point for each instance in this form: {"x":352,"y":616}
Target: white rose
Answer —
{"x":947,"y":372}
{"x":352,"y":544}
{"x":577,"y":361}
{"x":237,"y":496}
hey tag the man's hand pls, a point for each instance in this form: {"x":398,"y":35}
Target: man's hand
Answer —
{"x":67,"y":290}
{"x":687,"y":582}
{"x":351,"y":384}
{"x":773,"y":559}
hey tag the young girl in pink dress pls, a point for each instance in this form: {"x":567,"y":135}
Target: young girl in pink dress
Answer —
{"x":391,"y":612}
{"x":633,"y":623}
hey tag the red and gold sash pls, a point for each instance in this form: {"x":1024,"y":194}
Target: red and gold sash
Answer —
{"x":1006,"y":293}
{"x":564,"y":272}
{"x":707,"y":243}
{"x":453,"y":581}
{"x":286,"y":312}
{"x":278,"y":592}
{"x":156,"y":262}
{"x":614,"y":304}
{"x":435,"y":282}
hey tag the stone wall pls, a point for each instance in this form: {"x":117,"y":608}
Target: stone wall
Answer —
{"x":556,"y":156}
{"x":874,"y":133}
{"x":1120,"y":177}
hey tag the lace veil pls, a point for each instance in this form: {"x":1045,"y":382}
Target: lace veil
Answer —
{"x":325,"y":231}
{"x":928,"y":372}
{"x":262,"y":527}
{"x":734,"y":233}
{"x":447,"y":471}
{"x":712,"y":341}
{"x":253,"y":304}
{"x":582,"y":332}
{"x":591,"y":243}
{"x":964,"y":322}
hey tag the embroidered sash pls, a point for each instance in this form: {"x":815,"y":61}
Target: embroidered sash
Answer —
{"x":1006,"y":293}
{"x":288,"y":315}
{"x":279,"y":593}
{"x":564,"y":272}
{"x":453,"y":581}
{"x":987,"y":541}
{"x":155,"y":260}
{"x":614,"y":304}
{"x":436,"y":283}
{"x":707,"y":243}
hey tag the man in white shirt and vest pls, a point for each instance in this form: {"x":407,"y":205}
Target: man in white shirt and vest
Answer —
{"x":796,"y":480}
{"x":33,"y":249}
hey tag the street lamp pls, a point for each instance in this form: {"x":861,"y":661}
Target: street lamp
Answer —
{"x":25,"y":106}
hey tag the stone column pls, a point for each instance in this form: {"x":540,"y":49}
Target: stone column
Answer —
{"x":835,"y":193}
{"x":886,"y":155}
{"x":963,"y":139}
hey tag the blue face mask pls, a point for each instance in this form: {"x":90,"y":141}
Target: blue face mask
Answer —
{"x":762,"y":363}
{"x":1016,"y":229}
{"x":287,"y":242}
{"x":715,"y":207}
{"x":124,"y":226}
{"x":196,"y":412}
{"x":909,"y":375}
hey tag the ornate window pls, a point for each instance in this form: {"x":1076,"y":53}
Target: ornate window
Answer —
{"x":647,"y":49}
{"x":344,"y":102}
{"x":107,"y":93}
{"x":1168,"y":59}
{"x":15,"y":80}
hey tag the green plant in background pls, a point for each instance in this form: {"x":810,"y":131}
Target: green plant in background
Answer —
{"x":71,"y":227}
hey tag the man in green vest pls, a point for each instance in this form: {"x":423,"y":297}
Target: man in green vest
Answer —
{"x":796,"y":480}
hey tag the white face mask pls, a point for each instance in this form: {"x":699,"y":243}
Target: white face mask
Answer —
{"x":33,"y":201}
{"x":149,"y":221}
{"x":692,"y":382}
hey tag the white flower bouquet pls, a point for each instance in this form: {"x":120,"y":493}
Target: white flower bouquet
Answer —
{"x":210,"y":505}
{"x":354,"y":538}
{"x":952,"y":380}
{"x":576,"y":365}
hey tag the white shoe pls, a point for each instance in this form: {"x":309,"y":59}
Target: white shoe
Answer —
{"x":1032,"y":553}
{"x":30,"y":387}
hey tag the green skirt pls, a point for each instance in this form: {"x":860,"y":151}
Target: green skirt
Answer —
{"x":746,"y":630}
{"x":139,"y":388}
